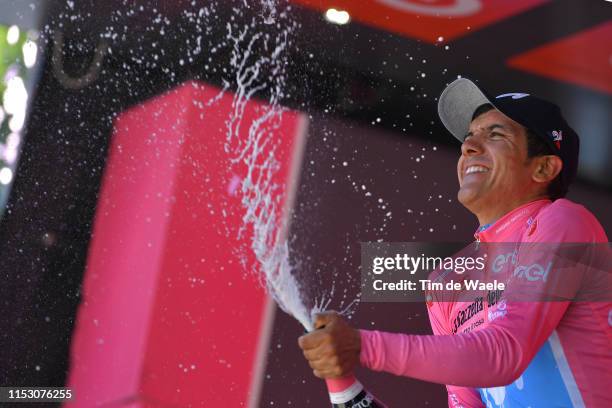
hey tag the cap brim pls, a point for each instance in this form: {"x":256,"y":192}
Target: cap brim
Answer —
{"x":457,"y":105}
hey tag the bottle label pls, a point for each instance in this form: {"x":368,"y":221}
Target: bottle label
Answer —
{"x":362,"y":400}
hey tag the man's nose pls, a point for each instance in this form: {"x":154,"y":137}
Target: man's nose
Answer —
{"x":471,"y":146}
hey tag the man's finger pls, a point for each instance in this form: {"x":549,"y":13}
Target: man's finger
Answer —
{"x":327,"y":373}
{"x":317,"y":365}
{"x":323,"y":353}
{"x":312,"y":354}
{"x":318,"y":374}
{"x":325,"y":318}
{"x":310,"y":340}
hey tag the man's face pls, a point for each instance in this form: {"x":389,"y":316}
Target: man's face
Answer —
{"x":493,"y":170}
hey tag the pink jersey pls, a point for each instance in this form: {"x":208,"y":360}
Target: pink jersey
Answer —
{"x":511,"y":354}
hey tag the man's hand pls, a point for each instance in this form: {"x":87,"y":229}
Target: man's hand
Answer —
{"x":332,"y":350}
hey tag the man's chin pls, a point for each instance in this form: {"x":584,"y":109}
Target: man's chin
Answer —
{"x":468,"y":197}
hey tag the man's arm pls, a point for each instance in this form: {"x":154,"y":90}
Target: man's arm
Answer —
{"x":491,"y":357}
{"x":494,"y":356}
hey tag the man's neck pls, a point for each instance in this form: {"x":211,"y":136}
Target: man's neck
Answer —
{"x":486,"y":218}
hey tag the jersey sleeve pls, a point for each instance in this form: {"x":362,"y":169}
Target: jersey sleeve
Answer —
{"x":458,"y":397}
{"x":491,"y":357}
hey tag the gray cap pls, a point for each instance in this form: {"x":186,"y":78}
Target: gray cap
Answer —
{"x":457,"y":104}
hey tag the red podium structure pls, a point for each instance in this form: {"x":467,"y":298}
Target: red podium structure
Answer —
{"x":170,"y":316}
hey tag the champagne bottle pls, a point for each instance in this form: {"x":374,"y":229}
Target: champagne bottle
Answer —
{"x":347,"y":392}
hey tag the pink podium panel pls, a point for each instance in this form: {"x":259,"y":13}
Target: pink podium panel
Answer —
{"x":171,"y":313}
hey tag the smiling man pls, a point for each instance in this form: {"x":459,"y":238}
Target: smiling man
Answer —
{"x":518,"y":157}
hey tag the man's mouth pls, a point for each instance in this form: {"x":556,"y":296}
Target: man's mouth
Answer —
{"x":476,"y":169}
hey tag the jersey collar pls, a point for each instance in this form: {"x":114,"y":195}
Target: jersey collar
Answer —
{"x":501,"y":229}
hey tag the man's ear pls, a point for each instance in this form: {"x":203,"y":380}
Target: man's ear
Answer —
{"x":547,"y":168}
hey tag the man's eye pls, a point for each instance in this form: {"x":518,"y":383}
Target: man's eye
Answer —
{"x":497,"y":135}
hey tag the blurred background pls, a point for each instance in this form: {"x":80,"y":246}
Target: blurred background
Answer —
{"x":87,"y":85}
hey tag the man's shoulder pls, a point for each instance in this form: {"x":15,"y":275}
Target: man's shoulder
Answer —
{"x":567,"y":211}
{"x":569,"y":220}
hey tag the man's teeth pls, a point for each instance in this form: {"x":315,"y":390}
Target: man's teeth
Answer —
{"x":476,"y":169}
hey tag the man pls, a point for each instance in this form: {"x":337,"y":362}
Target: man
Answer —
{"x":518,"y":158}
